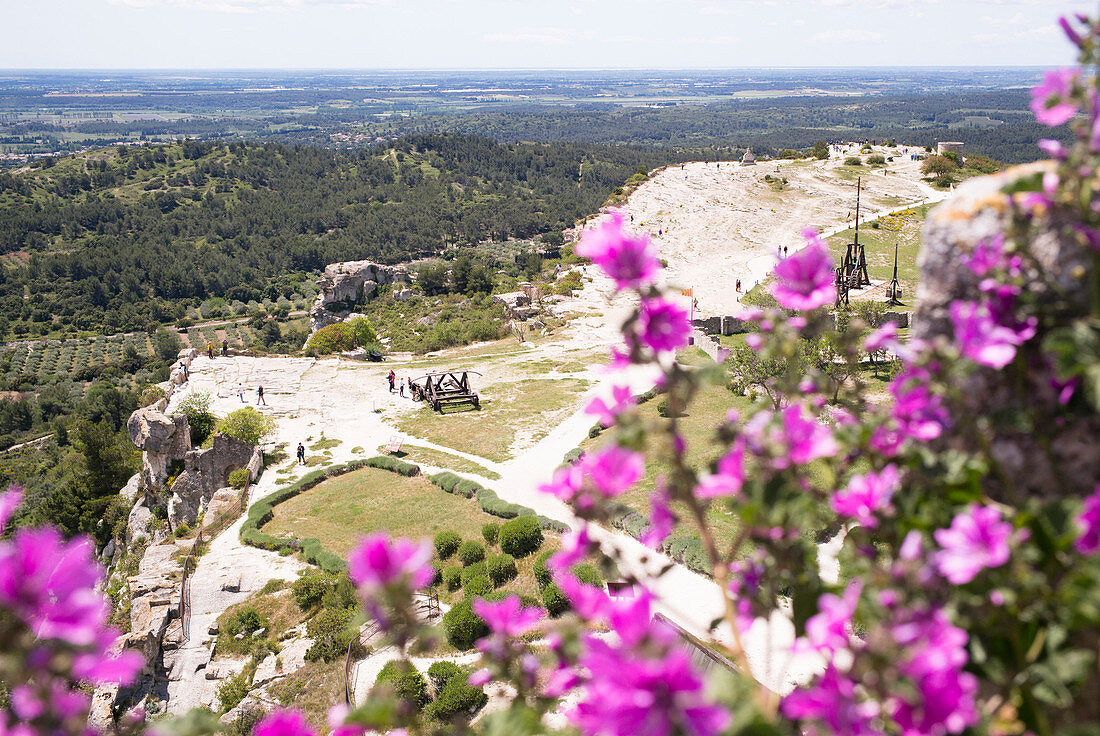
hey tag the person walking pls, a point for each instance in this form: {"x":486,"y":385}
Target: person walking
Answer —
{"x":301,"y":454}
{"x":210,"y":351}
{"x":401,"y":383}
{"x":225,"y":348}
{"x":260,"y":396}
{"x":391,"y":378}
{"x":240,"y":391}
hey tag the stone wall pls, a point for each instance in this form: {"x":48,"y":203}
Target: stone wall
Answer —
{"x":206,"y":471}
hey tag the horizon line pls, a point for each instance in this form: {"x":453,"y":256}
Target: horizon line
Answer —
{"x":524,"y":69}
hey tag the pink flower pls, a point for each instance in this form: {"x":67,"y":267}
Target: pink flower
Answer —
{"x":664,"y":326}
{"x":379,"y":562}
{"x":729,"y":478}
{"x":1052,"y":148}
{"x":283,"y":723}
{"x":981,"y":338}
{"x":645,"y":685}
{"x":575,"y":546}
{"x":628,"y":258}
{"x":919,"y":413}
{"x":661,"y":518}
{"x":977,"y":539}
{"x":507,"y":620}
{"x":1049,"y":100}
{"x":621,"y":400}
{"x":805,"y":281}
{"x":866,"y":495}
{"x":828,"y":632}
{"x":596,"y":477}
{"x":1089,"y":521}
{"x":807,"y":439}
{"x":8,"y":502}
{"x":832,"y":699}
{"x":587,"y":601}
{"x":884,"y":338}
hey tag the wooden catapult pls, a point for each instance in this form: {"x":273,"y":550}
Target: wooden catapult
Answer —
{"x":447,"y":388}
{"x":852,"y":273}
{"x":893,"y":291}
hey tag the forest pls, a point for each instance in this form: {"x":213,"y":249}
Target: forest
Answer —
{"x":125,"y":238}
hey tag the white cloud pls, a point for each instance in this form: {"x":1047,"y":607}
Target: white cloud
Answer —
{"x":246,"y":6}
{"x":555,"y":36}
{"x":848,"y":35}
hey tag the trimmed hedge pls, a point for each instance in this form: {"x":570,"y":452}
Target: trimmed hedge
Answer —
{"x":554,"y":601}
{"x":520,"y":536}
{"x":501,"y":568}
{"x":490,"y":531}
{"x":452,"y":578}
{"x":262,"y":511}
{"x":407,"y":683}
{"x":541,"y":571}
{"x":457,"y":698}
{"x":462,"y":626}
{"x":490,"y":502}
{"x":476,"y":570}
{"x":440,"y":672}
{"x":478,"y":586}
{"x":446,"y":544}
{"x":470,"y":552}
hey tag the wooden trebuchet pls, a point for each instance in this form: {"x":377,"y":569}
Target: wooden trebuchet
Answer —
{"x":447,"y":388}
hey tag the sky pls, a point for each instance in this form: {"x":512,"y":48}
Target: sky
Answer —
{"x":531,"y":34}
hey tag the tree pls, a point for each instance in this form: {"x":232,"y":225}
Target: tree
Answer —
{"x":433,"y":279}
{"x":821,"y":150}
{"x":196,"y":406}
{"x":167,"y":344}
{"x":936,"y":165}
{"x":246,"y":424}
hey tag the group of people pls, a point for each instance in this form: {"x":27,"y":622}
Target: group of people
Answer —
{"x":259,"y":394}
{"x":398,"y":385}
{"x":225,"y":349}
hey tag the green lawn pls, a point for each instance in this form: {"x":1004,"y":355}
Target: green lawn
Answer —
{"x":440,"y":459}
{"x":523,"y":411}
{"x":344,"y":509}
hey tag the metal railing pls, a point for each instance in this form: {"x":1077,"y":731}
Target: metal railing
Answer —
{"x":425,"y":605}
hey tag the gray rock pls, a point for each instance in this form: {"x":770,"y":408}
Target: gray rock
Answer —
{"x":1063,"y":457}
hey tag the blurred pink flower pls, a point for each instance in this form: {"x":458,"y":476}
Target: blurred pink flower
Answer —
{"x":664,"y":326}
{"x":866,"y":495}
{"x":831,"y":699}
{"x":805,"y":280}
{"x":977,"y":539}
{"x":661,"y":518}
{"x":628,"y":258}
{"x":981,"y":338}
{"x":829,"y":631}
{"x":884,"y":338}
{"x":807,"y":439}
{"x":1049,"y":101}
{"x":379,"y":562}
{"x":730,"y":476}
{"x":283,"y":723}
{"x":1089,"y":522}
{"x":598,"y":475}
{"x":621,"y":399}
{"x":918,"y":411}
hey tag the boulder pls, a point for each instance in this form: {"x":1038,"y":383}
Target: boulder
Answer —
{"x":205,"y":471}
{"x":1062,"y":456}
{"x":349,"y":283}
{"x":403,"y":295}
{"x":137,"y":525}
{"x":152,"y":431}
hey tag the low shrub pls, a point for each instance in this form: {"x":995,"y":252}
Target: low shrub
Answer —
{"x":330,"y":633}
{"x":470,"y":552}
{"x":541,"y":571}
{"x":245,"y":620}
{"x":440,"y":672}
{"x":407,"y":683}
{"x":520,"y":536}
{"x":501,"y":568}
{"x":853,"y":161}
{"x":309,"y":589}
{"x":452,"y":578}
{"x":554,"y":601}
{"x":462,"y":626}
{"x":446,"y":544}
{"x":490,"y":531}
{"x":477,"y":586}
{"x":238,"y":478}
{"x":476,"y":570}
{"x":457,"y":698}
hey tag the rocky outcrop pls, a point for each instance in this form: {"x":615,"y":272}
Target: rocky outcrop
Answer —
{"x":345,"y":284}
{"x":161,"y":438}
{"x":206,"y":471}
{"x":518,"y":304}
{"x":1062,"y":456}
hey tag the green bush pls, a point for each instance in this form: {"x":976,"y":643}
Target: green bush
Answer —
{"x":446,"y":481}
{"x":588,"y":573}
{"x":457,"y":698}
{"x":440,"y":672}
{"x":199,"y":417}
{"x":233,"y":691}
{"x":470,"y":552}
{"x":554,"y":601}
{"x":407,"y":683}
{"x":310,"y":589}
{"x":446,"y":544}
{"x":386,"y":462}
{"x":245,"y":620}
{"x":876,"y":160}
{"x":238,"y":477}
{"x":452,"y":578}
{"x":330,"y":633}
{"x":853,"y":161}
{"x":477,"y":586}
{"x":501,"y":568}
{"x":462,"y":626}
{"x":490,"y":531}
{"x":520,"y":536}
{"x":542,"y":572}
{"x":246,"y":424}
{"x":476,"y":570}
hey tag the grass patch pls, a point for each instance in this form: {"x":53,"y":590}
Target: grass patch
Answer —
{"x":879,"y":245}
{"x":325,"y":443}
{"x":512,"y":414}
{"x":312,"y":690}
{"x":446,"y":460}
{"x":277,"y":610}
{"x":342,"y":510}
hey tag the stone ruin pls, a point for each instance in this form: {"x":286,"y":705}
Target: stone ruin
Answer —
{"x":344,"y":285}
